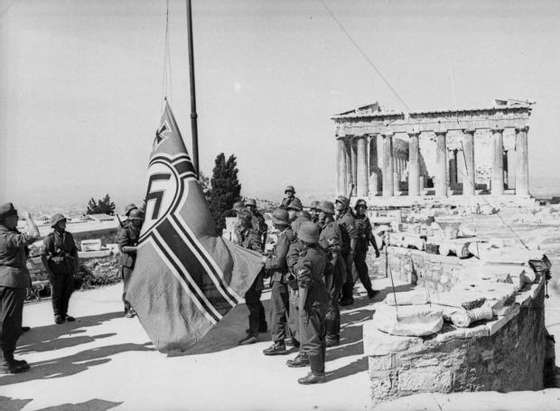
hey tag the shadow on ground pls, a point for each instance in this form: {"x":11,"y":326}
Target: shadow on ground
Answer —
{"x":14,"y":404}
{"x":47,"y":338}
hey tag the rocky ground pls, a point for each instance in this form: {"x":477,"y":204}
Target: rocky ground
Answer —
{"x":104,"y":361}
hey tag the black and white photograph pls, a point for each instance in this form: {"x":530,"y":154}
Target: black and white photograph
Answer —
{"x":269,"y":205}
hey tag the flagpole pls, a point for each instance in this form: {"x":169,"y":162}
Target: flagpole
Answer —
{"x":194,"y":116}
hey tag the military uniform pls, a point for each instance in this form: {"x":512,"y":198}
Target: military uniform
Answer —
{"x":330,"y":241}
{"x":127,"y":236}
{"x":296,"y":248}
{"x":310,"y":269}
{"x":349,"y":235}
{"x":276,"y":264}
{"x":14,"y":280}
{"x":259,"y":223}
{"x":302,"y":218}
{"x":61,"y":255}
{"x":249,"y":238}
{"x":365,"y":237}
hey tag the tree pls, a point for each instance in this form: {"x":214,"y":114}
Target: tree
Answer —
{"x":225,"y":188}
{"x":102,"y":206}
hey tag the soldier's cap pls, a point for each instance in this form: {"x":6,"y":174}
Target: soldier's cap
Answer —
{"x":129,"y":208}
{"x":360,"y":203}
{"x":7,"y":210}
{"x":238,"y":205}
{"x":251,"y":202}
{"x":136,"y":214}
{"x":342,"y":200}
{"x":295,"y":205}
{"x":314,"y":205}
{"x":290,"y":189}
{"x":280,"y":216}
{"x":326,"y":207}
{"x":57,"y":218}
{"x":309,"y":232}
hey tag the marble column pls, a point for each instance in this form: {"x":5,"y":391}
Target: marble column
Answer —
{"x":469,"y":178}
{"x":498,"y":162}
{"x":453,"y":169}
{"x":522,"y":162}
{"x":413,"y":164}
{"x":388,"y":167}
{"x":441,"y":164}
{"x":362,"y":167}
{"x":341,"y":182}
{"x":511,"y":169}
{"x":374,"y":171}
{"x":354,"y":155}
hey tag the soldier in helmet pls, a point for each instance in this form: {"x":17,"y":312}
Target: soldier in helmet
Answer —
{"x":346,"y":222}
{"x":248,"y":237}
{"x":127,"y":239}
{"x":258,"y":221}
{"x":60,"y":258}
{"x":313,"y":299}
{"x":277,"y":268}
{"x":365,"y":238}
{"x":290,"y":192}
{"x":14,"y":280}
{"x":330,"y":241}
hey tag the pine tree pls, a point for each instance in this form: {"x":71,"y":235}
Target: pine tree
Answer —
{"x":102,"y":206}
{"x":225,"y":188}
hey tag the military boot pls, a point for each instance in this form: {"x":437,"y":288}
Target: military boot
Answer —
{"x":249,"y":339}
{"x":312,"y":379}
{"x":278,"y":348}
{"x":301,"y":360}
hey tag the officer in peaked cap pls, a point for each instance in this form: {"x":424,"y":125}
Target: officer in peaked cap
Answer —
{"x":365,"y":238}
{"x":290,"y":192}
{"x":14,"y":280}
{"x":277,"y":269}
{"x":313,"y":299}
{"x":346,"y":222}
{"x":127,"y":239}
{"x":60,"y":258}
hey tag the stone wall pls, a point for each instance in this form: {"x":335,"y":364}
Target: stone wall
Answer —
{"x":506,"y":354}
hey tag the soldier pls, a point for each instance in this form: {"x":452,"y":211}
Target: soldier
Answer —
{"x":127,"y":239}
{"x":346,"y":223}
{"x":365,"y":237}
{"x":314,"y":211}
{"x":312,"y":302}
{"x":290,"y":192}
{"x":14,"y":280}
{"x":60,"y":258}
{"x":279,"y":299}
{"x":249,"y":238}
{"x":259,"y":222}
{"x":330,"y":241}
{"x":300,"y":218}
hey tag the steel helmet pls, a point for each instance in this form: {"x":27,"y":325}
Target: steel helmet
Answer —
{"x":57,"y":218}
{"x":251,"y":202}
{"x":129,"y":208}
{"x":326,"y":207}
{"x":309,"y":232}
{"x":360,"y":203}
{"x":280,"y":217}
{"x":343,"y":200}
{"x":290,"y":188}
{"x":136,"y":214}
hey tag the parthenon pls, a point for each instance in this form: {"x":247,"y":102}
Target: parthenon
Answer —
{"x":440,"y":154}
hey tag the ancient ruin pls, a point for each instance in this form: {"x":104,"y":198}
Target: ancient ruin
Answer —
{"x":401,"y":157}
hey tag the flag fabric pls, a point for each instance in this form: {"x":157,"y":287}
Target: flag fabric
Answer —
{"x":186,"y":277}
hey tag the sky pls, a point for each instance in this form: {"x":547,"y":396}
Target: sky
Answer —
{"x":81,"y":84}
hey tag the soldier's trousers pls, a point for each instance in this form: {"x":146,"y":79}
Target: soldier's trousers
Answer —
{"x":279,"y":303}
{"x":125,"y":275}
{"x":293,"y":314}
{"x":362,"y":271}
{"x":257,"y":318}
{"x":11,"y":310}
{"x":332,"y":318}
{"x":62,"y":286}
{"x":312,"y":331}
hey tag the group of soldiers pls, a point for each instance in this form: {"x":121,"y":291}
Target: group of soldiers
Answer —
{"x":59,"y":255}
{"x":311,"y":274}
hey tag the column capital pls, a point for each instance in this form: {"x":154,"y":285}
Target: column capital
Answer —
{"x":387,"y":134}
{"x":469,"y":130}
{"x":414,"y":134}
{"x":440,"y":133}
{"x":524,"y":128}
{"x":497,"y":129}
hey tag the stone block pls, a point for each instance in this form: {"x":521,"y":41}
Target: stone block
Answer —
{"x":430,"y":379}
{"x":377,"y":343}
{"x":409,"y":320}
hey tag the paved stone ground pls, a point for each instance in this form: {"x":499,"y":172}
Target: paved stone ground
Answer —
{"x":104,"y":361}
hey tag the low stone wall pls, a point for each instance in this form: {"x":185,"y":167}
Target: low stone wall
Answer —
{"x":506,"y":354}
